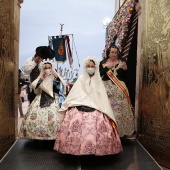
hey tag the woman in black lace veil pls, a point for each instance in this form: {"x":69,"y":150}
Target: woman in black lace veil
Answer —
{"x":42,"y":118}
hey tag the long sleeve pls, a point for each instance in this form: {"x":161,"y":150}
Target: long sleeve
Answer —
{"x":103,"y":70}
{"x":29,"y":65}
{"x":35,"y":84}
{"x":39,"y":82}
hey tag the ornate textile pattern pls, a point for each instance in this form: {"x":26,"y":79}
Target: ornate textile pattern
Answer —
{"x":121,"y":109}
{"x":41,"y":123}
{"x":87,"y":133}
{"x":156,"y":77}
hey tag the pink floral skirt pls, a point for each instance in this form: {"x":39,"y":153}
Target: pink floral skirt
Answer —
{"x":87,"y":133}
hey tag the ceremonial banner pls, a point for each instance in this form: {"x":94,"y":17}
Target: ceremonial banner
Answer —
{"x":59,"y":48}
{"x":69,"y":53}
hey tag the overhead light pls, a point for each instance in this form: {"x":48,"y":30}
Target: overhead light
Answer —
{"x":106,"y":21}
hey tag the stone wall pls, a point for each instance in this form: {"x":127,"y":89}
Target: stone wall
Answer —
{"x":9,"y":52}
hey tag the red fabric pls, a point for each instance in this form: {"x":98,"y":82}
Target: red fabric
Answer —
{"x":69,"y":50}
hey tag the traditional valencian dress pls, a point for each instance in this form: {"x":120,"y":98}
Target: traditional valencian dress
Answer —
{"x":118,"y":94}
{"x":42,"y":119}
{"x":89,"y":125}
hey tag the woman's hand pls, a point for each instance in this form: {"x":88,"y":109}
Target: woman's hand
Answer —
{"x":54,"y":73}
{"x":37,"y":59}
{"x":43,"y":77}
{"x":123,"y":66}
{"x":109,"y":65}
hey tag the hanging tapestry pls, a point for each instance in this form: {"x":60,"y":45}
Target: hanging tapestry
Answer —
{"x":59,"y":48}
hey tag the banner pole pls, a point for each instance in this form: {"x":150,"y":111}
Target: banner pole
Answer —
{"x":61,"y":29}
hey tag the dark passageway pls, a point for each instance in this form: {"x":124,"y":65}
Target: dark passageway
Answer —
{"x":39,"y":155}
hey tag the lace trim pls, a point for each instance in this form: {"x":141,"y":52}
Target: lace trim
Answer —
{"x":46,"y":100}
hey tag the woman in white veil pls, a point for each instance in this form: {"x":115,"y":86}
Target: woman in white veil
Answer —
{"x":89,"y":126}
{"x":42,"y":119}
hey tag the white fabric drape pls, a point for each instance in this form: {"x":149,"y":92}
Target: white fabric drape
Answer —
{"x":47,"y":84}
{"x":89,"y":91}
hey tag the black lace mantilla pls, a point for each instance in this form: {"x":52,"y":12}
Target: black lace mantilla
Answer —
{"x":46,"y":100}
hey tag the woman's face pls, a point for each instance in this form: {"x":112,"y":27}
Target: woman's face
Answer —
{"x":90,"y":67}
{"x":47,"y":66}
{"x":113,"y":54}
{"x":47,"y":69}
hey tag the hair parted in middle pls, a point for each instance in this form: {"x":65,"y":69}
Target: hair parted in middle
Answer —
{"x":92,"y":61}
{"x":109,"y":49}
